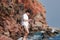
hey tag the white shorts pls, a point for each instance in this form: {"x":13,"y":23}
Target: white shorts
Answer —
{"x":26,"y":25}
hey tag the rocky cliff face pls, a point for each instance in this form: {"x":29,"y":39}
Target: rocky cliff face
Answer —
{"x":10,"y":17}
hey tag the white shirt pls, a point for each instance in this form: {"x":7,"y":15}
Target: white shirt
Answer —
{"x":24,"y":22}
{"x":25,"y":17}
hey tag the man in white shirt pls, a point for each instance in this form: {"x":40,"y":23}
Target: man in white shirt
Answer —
{"x":25,"y":23}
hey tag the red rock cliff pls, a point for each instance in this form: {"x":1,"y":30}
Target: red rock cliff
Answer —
{"x":10,"y":16}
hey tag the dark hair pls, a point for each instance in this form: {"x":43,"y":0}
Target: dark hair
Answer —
{"x":29,"y":10}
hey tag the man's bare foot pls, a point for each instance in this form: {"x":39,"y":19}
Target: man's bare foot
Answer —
{"x":24,"y":38}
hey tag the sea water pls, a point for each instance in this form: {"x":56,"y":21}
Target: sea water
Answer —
{"x":38,"y":36}
{"x":57,"y":37}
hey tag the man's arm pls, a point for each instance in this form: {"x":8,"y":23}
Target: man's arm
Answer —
{"x":28,"y":20}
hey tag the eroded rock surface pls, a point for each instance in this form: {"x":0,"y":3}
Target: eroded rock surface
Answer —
{"x":10,"y":17}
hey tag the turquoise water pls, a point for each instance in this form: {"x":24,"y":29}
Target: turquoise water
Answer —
{"x":38,"y":36}
{"x":57,"y":37}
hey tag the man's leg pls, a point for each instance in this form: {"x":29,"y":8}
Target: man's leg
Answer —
{"x":26,"y":33}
